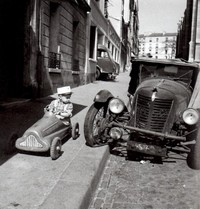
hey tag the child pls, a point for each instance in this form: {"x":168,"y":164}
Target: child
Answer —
{"x":62,"y":107}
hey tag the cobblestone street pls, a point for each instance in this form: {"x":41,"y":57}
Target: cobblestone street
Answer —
{"x":128,"y":184}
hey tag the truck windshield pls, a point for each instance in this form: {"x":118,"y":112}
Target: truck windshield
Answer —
{"x":173,"y":72}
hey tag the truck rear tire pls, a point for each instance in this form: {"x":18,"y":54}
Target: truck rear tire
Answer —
{"x":193,"y":158}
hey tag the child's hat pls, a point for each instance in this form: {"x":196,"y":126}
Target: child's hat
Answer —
{"x":64,"y":90}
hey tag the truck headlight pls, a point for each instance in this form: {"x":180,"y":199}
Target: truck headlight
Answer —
{"x":190,"y":116}
{"x":115,"y":133}
{"x":116,"y":105}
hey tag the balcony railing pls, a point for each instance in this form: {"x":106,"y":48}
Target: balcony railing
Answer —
{"x":54,"y":60}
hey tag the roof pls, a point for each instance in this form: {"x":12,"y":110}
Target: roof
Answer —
{"x":167,"y":62}
{"x":157,"y":35}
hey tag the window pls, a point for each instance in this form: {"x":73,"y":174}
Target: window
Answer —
{"x":92,"y":41}
{"x":54,"y":60}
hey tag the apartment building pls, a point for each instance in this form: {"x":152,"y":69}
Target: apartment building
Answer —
{"x":158,"y":45}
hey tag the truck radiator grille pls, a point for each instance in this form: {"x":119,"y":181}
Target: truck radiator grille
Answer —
{"x":31,"y":141}
{"x":152,"y":115}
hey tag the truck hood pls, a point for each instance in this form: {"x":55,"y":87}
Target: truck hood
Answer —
{"x":165,"y":89}
{"x":162,"y":93}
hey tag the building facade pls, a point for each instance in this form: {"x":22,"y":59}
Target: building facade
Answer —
{"x":100,"y":31}
{"x":158,"y":45}
{"x":50,"y":44}
{"x":124,"y":17}
{"x":188,"y":38}
{"x":46,"y":44}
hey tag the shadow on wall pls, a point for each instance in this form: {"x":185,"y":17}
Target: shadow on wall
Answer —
{"x":17,"y":118}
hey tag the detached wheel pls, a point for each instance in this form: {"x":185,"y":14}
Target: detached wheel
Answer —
{"x":55,"y":149}
{"x":10,"y":144}
{"x":93,"y":124}
{"x":75,"y":131}
{"x":193,"y":158}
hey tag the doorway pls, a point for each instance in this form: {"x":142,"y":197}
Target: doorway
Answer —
{"x":12,"y":21}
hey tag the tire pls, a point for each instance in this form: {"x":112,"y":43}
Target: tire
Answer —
{"x":92,"y":124}
{"x":193,"y":158}
{"x":75,"y":131}
{"x":10,"y":145}
{"x":98,"y":73}
{"x":55,"y":149}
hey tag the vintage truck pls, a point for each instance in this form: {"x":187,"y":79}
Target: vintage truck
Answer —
{"x":162,"y":114}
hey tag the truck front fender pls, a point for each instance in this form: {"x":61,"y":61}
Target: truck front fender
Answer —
{"x":103,"y":96}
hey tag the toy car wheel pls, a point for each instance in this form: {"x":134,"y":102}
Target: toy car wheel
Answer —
{"x":193,"y":158}
{"x":55,"y":149}
{"x":75,"y":131}
{"x":94,"y":120}
{"x":10,"y":145}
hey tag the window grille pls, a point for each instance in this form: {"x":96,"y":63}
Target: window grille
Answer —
{"x":54,"y":60}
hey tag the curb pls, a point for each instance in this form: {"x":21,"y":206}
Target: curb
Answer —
{"x":77,"y":186}
{"x":95,"y":180}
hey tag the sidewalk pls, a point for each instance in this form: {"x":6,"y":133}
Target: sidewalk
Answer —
{"x":37,"y":182}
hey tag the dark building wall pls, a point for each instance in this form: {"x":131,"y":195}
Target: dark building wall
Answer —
{"x":20,"y":71}
{"x":12,"y":18}
{"x":184,"y":33}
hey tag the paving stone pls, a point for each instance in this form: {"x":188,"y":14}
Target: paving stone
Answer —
{"x":98,"y":204}
{"x":150,"y":185}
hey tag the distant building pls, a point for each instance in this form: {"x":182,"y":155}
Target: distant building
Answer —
{"x":158,"y":45}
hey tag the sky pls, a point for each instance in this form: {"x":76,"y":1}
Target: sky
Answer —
{"x":154,"y":15}
{"x":160,"y":15}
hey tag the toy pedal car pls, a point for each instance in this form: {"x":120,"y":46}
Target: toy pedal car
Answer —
{"x":46,"y":135}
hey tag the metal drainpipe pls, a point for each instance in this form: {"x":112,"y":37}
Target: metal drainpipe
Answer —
{"x":193,"y":31}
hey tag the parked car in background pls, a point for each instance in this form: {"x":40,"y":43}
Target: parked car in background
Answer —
{"x":106,"y":66}
{"x":158,"y":118}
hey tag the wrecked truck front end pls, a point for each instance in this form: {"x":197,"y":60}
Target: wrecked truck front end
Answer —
{"x":158,"y":117}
